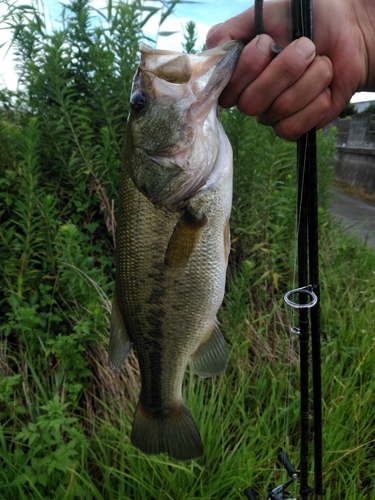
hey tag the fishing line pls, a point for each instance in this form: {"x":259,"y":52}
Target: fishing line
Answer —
{"x":297,"y":228}
{"x":306,"y":254}
{"x":293,"y":329}
{"x":217,"y":27}
{"x":298,"y":204}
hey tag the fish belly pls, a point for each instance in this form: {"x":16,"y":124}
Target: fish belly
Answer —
{"x":168,"y":292}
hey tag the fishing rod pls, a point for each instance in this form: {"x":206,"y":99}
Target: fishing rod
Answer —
{"x":308,"y":290}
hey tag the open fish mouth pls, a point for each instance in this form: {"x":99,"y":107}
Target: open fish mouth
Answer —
{"x":186,"y":87}
{"x":207,"y":73}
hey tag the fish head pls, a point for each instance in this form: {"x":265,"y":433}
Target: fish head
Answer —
{"x":173,"y":122}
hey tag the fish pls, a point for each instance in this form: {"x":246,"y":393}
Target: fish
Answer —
{"x":173,"y":240}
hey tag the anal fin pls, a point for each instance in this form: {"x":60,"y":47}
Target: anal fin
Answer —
{"x":119,"y":341}
{"x":211,"y":357}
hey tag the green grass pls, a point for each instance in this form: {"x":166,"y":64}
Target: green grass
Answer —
{"x":241,"y":415}
{"x":65,"y":417}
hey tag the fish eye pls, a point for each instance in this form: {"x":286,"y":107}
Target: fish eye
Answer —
{"x":138,"y":101}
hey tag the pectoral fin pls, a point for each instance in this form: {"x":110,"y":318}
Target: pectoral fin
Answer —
{"x":211,"y":356}
{"x":183,"y":240}
{"x":119,"y":341}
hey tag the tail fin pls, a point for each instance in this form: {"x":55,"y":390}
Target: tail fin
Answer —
{"x":174,"y":433}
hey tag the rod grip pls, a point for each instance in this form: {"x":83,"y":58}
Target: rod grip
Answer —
{"x":284,"y":460}
{"x":250,"y":493}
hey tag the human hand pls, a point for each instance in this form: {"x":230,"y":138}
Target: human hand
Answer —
{"x":306,"y":85}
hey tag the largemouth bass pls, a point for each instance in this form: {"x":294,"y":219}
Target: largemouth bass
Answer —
{"x":173,"y":239}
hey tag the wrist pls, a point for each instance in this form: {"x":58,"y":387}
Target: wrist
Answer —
{"x":364,"y":12}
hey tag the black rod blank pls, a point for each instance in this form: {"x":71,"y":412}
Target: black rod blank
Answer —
{"x":302,"y":25}
{"x":308,"y":277}
{"x":303,"y":318}
{"x":315,"y":312}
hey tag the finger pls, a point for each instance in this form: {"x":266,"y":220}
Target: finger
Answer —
{"x":342,"y":87}
{"x":292,"y":127}
{"x":241,"y":27}
{"x":279,"y":75}
{"x":254,"y":58}
{"x":312,"y":83}
{"x":338,"y":103}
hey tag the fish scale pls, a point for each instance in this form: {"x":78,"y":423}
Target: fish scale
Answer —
{"x":172,"y":240}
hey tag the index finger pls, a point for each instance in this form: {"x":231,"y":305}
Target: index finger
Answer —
{"x":241,"y":27}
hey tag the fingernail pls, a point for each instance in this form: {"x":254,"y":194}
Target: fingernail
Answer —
{"x":305,"y":47}
{"x":263,"y":44}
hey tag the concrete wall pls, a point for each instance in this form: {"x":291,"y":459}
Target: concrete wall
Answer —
{"x":355,"y":160}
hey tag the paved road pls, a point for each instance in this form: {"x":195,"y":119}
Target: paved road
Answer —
{"x":357,"y":215}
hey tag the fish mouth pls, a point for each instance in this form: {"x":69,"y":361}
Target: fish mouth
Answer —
{"x":206,"y":73}
{"x":211,"y":71}
{"x":190,"y":84}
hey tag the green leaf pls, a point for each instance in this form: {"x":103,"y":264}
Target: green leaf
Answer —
{"x":42,"y":478}
{"x":33,"y":438}
{"x":167,"y":33}
{"x":92,"y":226}
{"x":171,"y":5}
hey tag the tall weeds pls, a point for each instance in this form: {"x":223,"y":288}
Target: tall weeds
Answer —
{"x":64,"y":416}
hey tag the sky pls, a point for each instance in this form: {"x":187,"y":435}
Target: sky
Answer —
{"x":205,"y":13}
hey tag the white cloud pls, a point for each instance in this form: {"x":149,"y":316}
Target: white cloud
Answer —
{"x":174,"y":24}
{"x":363,"y":96}
{"x":8,"y":78}
{"x":205,"y":14}
{"x":52,"y":12}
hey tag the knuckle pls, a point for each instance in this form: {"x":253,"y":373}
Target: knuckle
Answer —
{"x":214,"y":36}
{"x":325,"y":69}
{"x":293,"y":70}
{"x":325,"y":101}
{"x":211,"y":31}
{"x":290,"y":129}
{"x":249,"y":107}
{"x":228,"y":97}
{"x":262,"y":120}
{"x":253,"y":102}
{"x":283,"y":106}
{"x":227,"y":102}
